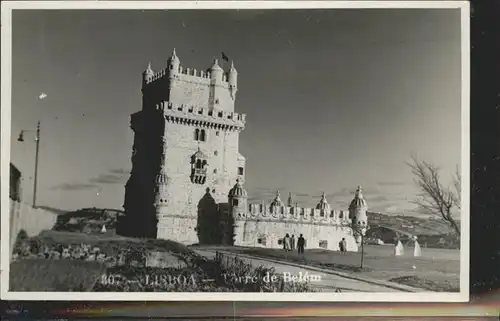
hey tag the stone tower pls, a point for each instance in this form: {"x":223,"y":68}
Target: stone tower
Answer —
{"x":237,"y":198}
{"x":357,"y":213}
{"x":186,"y":150}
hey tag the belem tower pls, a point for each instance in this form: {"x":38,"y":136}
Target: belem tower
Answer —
{"x":187,"y":178}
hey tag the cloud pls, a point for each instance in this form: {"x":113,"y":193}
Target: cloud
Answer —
{"x":113,"y":176}
{"x":74,"y":186}
{"x":376,"y":199}
{"x":301,"y":194}
{"x":260,"y":194}
{"x":109,"y":179}
{"x":391,"y":183}
{"x":122,"y":171}
{"x":349,"y":192}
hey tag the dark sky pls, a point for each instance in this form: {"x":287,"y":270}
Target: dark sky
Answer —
{"x":334,"y":98}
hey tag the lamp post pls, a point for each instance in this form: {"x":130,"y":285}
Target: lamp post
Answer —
{"x":37,"y":151}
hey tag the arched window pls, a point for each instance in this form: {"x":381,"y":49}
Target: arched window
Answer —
{"x":199,"y":164}
{"x":196,"y":134}
{"x":202,"y":135}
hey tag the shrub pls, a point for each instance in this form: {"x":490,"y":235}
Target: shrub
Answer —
{"x":222,"y":274}
{"x":21,"y":245}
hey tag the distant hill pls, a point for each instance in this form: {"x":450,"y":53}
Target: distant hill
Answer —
{"x":58,"y":211}
{"x":88,"y":220}
{"x":431,"y":231}
{"x":409,"y":224}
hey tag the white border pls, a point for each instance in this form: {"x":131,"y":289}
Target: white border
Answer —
{"x":6,"y":34}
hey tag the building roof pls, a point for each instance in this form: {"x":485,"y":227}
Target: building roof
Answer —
{"x":323,"y":204}
{"x":237,"y":191}
{"x":277,"y":200}
{"x":358,"y":200}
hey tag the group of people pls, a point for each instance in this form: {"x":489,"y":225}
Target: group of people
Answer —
{"x":289,"y":243}
{"x":399,"y":248}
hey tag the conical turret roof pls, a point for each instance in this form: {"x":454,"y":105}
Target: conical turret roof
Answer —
{"x":323,"y":204}
{"x":277,"y":200}
{"x":174,"y":58}
{"x":149,"y":70}
{"x":232,"y":69}
{"x":237,"y":191}
{"x":215,"y":66}
{"x":358,"y":200}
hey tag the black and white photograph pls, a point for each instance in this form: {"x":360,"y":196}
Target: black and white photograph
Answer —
{"x":290,"y":151}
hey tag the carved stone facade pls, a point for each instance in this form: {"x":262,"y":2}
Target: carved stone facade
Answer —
{"x":265,"y":225}
{"x":185,"y":164}
{"x":193,"y":160}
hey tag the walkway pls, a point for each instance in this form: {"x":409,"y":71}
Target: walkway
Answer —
{"x":323,"y":281}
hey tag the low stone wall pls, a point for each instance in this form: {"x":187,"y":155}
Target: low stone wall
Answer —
{"x":31,"y":220}
{"x":269,"y":234}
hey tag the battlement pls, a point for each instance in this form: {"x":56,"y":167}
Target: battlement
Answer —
{"x":187,"y":74}
{"x":201,"y":115}
{"x":294,"y":215}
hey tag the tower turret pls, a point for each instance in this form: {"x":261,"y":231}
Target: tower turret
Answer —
{"x":233,"y":80}
{"x":237,"y":198}
{"x":161,"y":188}
{"x":277,"y":200}
{"x":323,"y":204}
{"x":357,"y":212}
{"x":147,"y":74}
{"x":216,"y":72}
{"x":173,"y":64}
{"x":289,"y":202}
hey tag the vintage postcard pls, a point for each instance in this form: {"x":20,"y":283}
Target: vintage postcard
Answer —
{"x":304,"y":151}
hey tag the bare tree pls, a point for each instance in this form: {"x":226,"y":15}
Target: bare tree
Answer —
{"x":435,"y":198}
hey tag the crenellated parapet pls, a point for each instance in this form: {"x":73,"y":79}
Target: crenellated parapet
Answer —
{"x":201,"y":116}
{"x":287,"y":214}
{"x":186,"y":74}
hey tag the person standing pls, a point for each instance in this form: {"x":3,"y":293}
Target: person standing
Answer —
{"x":416,"y":251}
{"x":286,"y":242}
{"x":398,"y":249}
{"x":343,"y":246}
{"x":301,"y":243}
{"x":292,"y":242}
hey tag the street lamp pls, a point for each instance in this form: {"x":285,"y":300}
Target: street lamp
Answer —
{"x":37,"y":141}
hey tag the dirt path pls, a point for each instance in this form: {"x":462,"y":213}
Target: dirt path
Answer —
{"x":320,"y":281}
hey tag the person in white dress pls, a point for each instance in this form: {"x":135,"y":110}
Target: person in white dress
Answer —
{"x":416,"y":250}
{"x":398,"y":249}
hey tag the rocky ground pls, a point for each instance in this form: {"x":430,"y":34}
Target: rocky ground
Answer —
{"x":70,"y":261}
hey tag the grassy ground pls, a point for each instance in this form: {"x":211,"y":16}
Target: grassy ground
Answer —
{"x":74,"y":275}
{"x":436,"y":270}
{"x":49,"y":275}
{"x":199,"y":275}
